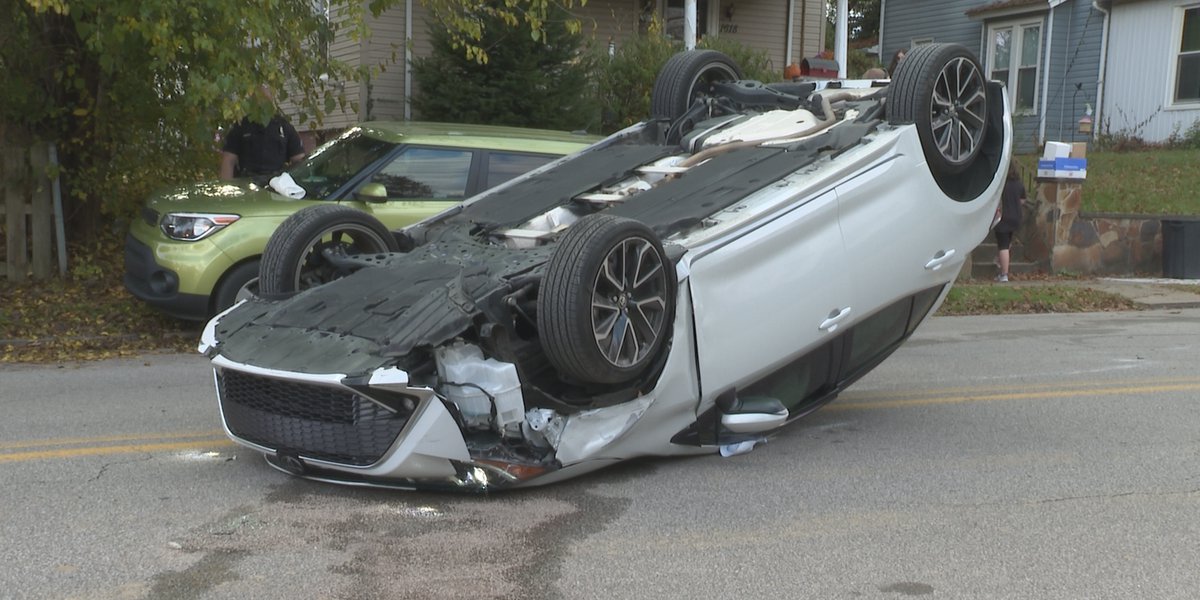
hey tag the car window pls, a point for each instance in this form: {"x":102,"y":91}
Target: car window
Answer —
{"x":800,"y":384}
{"x":427,"y":173}
{"x":332,"y":165}
{"x":503,"y":166}
{"x":876,"y":335}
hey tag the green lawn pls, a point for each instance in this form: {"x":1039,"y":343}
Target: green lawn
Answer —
{"x":1156,"y":182}
{"x":1003,"y":299}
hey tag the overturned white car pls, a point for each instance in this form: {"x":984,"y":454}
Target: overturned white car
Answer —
{"x":688,"y":284}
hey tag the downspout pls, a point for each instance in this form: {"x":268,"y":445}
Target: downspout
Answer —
{"x":1103,"y":67}
{"x":882,"y":12}
{"x":408,"y":17}
{"x":839,"y":37}
{"x":1046,"y":77}
{"x":791,"y":33}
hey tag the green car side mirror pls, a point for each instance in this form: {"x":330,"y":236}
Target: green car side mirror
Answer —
{"x":371,"y":192}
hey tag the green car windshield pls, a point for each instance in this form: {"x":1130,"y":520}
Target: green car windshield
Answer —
{"x":332,"y":165}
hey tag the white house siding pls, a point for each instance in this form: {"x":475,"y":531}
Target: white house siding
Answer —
{"x":385,"y":50}
{"x":605,"y":20}
{"x":1137,"y":90}
{"x":762,"y":24}
{"x":939,"y":20}
{"x":341,"y":49}
{"x":810,"y":27}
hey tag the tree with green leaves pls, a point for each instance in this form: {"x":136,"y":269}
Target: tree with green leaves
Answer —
{"x":133,"y":92}
{"x":466,"y":23}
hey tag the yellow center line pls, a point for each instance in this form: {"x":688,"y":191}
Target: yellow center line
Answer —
{"x":104,"y":450}
{"x":1112,"y":391}
{"x":976,"y":389}
{"x":209,"y":441}
{"x":108,"y":439}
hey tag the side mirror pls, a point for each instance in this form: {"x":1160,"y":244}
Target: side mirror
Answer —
{"x":371,"y":192}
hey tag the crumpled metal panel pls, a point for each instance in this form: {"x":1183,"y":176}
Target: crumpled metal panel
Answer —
{"x":414,"y":300}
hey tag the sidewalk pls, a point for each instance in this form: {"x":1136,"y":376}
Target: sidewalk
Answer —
{"x":1151,"y":293}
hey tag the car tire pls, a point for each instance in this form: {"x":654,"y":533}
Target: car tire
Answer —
{"x":942,"y":90}
{"x":685,"y":78}
{"x":292,"y":260}
{"x":607,"y":301}
{"x":232,"y":283}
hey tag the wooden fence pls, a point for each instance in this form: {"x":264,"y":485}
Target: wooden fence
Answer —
{"x":26,"y":213}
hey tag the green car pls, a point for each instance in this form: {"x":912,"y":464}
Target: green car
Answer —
{"x":195,"y":247}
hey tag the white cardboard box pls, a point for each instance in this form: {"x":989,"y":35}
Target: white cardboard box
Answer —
{"x":1061,"y":160}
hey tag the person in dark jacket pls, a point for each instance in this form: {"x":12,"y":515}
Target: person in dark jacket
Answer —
{"x":1012,"y":199}
{"x":253,"y":149}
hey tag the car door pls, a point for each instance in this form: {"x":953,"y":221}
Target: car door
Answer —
{"x":769,"y":297}
{"x":900,"y":233}
{"x":420,"y":181}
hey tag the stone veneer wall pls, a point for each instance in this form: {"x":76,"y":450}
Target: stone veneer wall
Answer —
{"x":1057,"y":236}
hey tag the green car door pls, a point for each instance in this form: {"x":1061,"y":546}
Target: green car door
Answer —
{"x":420,"y":181}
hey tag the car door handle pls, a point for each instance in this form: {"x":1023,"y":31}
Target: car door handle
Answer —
{"x":835,"y":317}
{"x":939,"y":259}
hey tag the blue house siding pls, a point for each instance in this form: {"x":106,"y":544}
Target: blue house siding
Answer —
{"x":942,"y":20}
{"x":1074,"y":40}
{"x":1074,"y":69}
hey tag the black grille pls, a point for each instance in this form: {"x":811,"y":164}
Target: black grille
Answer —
{"x":150,"y":216}
{"x":314,"y":421}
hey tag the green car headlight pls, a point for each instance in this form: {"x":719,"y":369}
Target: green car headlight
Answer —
{"x":189,"y":227}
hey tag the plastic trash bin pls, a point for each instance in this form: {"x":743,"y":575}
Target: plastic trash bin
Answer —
{"x":1181,"y":249}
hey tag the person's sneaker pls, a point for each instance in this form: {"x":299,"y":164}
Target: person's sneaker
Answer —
{"x":1002,"y":278}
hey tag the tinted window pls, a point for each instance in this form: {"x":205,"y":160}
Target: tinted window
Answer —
{"x":877,"y":334}
{"x":922,"y":303}
{"x":427,"y":173}
{"x":798,"y":384}
{"x":332,"y":165}
{"x":503,"y":166}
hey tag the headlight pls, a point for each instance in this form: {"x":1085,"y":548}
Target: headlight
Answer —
{"x":189,"y":227}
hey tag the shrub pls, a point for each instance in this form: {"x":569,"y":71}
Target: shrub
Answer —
{"x":525,"y":83}
{"x":1188,"y":140}
{"x":624,"y":80}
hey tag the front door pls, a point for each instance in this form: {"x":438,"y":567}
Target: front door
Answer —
{"x":773,"y":295}
{"x":420,"y":182}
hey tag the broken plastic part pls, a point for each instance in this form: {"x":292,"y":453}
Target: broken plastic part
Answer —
{"x":543,"y":426}
{"x":740,"y":447}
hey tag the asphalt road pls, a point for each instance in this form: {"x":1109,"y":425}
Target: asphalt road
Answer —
{"x":1047,"y":456}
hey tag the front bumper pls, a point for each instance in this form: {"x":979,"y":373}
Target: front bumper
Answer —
{"x":158,"y":286}
{"x":375,"y":431}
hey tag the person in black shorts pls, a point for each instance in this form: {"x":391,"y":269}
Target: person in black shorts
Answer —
{"x":1011,"y":201}
{"x":254,"y":149}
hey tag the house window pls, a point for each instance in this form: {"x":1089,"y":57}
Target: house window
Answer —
{"x":1014,"y":52}
{"x":1187,"y":63}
